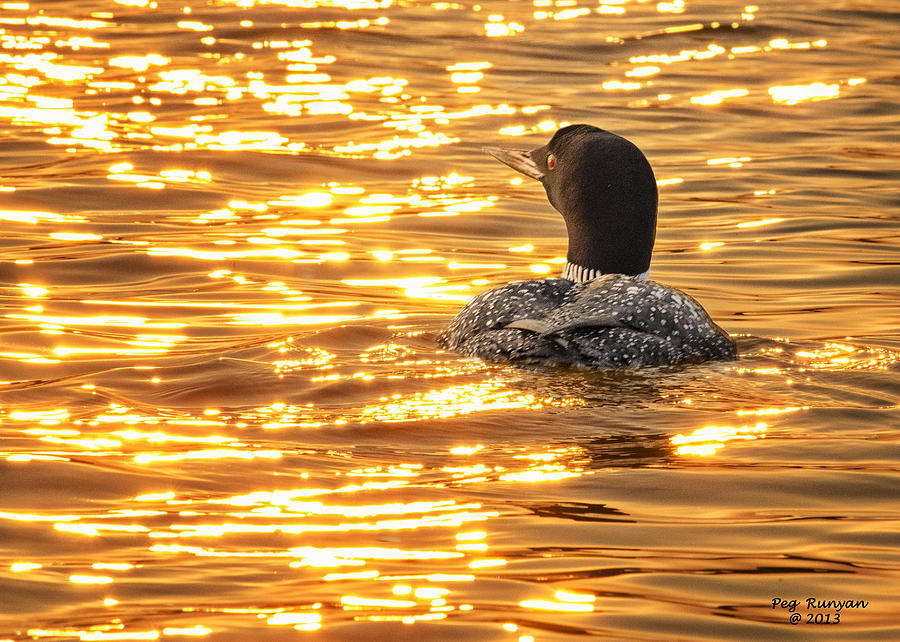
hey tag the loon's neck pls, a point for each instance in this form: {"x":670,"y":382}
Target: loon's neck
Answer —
{"x":581,"y":274}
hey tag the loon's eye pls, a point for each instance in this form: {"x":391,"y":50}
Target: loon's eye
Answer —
{"x":551,"y":161}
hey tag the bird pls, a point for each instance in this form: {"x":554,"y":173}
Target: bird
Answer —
{"x":603,"y":312}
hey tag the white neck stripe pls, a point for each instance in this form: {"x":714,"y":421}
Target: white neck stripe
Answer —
{"x":581,"y":274}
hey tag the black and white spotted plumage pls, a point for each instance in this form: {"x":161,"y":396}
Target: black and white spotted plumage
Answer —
{"x":613,"y":321}
{"x":603,"y":313}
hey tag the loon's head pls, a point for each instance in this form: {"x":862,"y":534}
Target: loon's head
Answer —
{"x":605,"y":190}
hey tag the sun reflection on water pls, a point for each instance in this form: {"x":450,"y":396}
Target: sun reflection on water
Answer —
{"x":307,"y":88}
{"x":841,"y":356}
{"x":709,"y":439}
{"x":306,"y":91}
{"x":426,"y":595}
{"x":312,"y":92}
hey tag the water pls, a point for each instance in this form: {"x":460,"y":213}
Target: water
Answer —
{"x":232,"y":230}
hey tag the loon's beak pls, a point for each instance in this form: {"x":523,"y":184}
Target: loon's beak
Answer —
{"x":519,"y":160}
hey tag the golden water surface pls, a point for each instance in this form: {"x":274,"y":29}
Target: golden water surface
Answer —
{"x":232,"y":229}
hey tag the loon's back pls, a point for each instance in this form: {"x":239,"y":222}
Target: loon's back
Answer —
{"x":612,"y":321}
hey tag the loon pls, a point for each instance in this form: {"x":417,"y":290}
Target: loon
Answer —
{"x":604,"y":312}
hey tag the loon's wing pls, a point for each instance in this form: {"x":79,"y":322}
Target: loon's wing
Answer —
{"x":496,"y":309}
{"x":532,"y":325}
{"x":507,"y":345}
{"x":612,"y":321}
{"x":611,"y":300}
{"x":601,"y":347}
{"x":640,"y":307}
